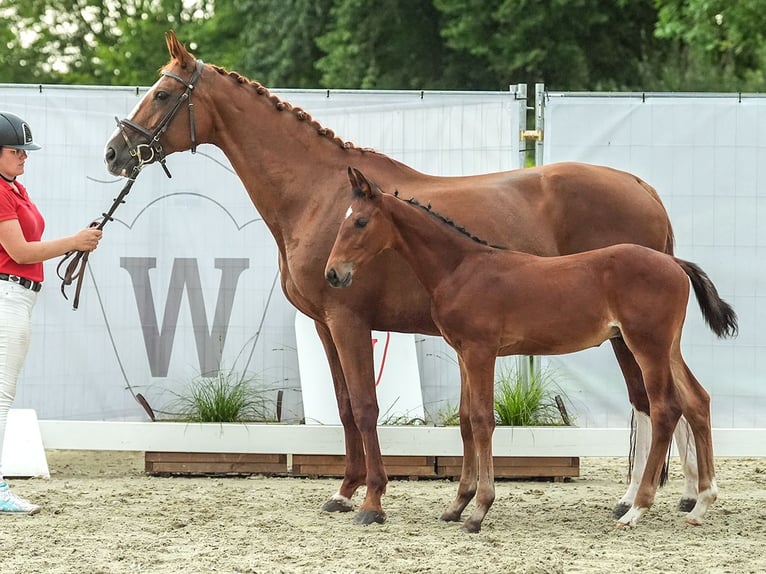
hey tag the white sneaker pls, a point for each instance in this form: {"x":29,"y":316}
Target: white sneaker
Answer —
{"x":12,"y":504}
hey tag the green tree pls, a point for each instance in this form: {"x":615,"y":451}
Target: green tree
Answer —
{"x":383,"y":44}
{"x":567,"y":44}
{"x":92,"y":41}
{"x":715,"y":45}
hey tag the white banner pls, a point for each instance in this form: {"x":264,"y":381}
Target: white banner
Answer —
{"x":706,"y":156}
{"x":184,"y":279}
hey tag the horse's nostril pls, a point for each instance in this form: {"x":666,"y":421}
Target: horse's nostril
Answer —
{"x":332,"y":277}
{"x":110,"y":153}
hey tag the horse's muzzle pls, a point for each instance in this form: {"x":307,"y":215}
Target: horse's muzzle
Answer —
{"x":337,"y":280}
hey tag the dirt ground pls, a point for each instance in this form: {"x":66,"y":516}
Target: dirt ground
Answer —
{"x":102,"y":515}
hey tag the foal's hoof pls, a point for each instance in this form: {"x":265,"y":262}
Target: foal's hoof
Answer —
{"x":337,"y":505}
{"x":620,"y":509}
{"x":471,"y":526}
{"x":365,"y":517}
{"x":686,"y":504}
{"x":450,"y":517}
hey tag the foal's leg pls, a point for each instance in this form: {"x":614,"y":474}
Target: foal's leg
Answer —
{"x":355,"y":472}
{"x":695,"y":402}
{"x":480,"y":369}
{"x":469,"y":472}
{"x":665,"y":415}
{"x":643,"y":436}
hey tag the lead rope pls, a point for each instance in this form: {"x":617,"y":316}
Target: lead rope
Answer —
{"x":78,"y":260}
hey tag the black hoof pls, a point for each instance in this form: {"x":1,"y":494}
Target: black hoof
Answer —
{"x":686,"y":504}
{"x":450,"y":517}
{"x":471,"y":527}
{"x":365,"y":517}
{"x":334,"y":505}
{"x":619,"y":510}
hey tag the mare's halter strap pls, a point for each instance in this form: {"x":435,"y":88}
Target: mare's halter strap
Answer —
{"x":145,"y":153}
{"x":151,"y":151}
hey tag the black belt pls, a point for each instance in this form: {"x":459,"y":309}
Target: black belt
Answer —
{"x":23,"y":281}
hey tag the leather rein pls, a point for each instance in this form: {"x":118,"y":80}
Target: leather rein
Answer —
{"x":75,"y":262}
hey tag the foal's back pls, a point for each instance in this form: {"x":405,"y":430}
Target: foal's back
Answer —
{"x":524,"y":304}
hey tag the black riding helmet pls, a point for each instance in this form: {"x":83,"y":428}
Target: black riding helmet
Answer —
{"x":15,"y":132}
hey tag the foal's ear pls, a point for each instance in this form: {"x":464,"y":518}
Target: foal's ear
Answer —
{"x":360,"y":184}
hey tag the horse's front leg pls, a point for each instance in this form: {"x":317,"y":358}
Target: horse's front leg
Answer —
{"x":354,"y":346}
{"x":480,"y":371}
{"x":355,"y":471}
{"x":469,"y":473}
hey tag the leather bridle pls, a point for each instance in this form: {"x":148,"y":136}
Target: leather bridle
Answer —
{"x":145,"y":153}
{"x":151,"y":150}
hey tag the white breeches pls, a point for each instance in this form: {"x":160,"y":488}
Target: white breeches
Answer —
{"x":16,"y":304}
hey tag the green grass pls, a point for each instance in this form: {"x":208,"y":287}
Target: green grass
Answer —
{"x":225,"y":397}
{"x":526,"y":403}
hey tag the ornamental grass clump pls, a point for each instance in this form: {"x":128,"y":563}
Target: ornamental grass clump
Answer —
{"x":533,"y":402}
{"x":225,"y":397}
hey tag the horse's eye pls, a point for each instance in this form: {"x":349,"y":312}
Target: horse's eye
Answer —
{"x":161,"y":96}
{"x":361,"y":222}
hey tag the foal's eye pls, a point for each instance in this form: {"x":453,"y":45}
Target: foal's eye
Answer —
{"x":361,"y":222}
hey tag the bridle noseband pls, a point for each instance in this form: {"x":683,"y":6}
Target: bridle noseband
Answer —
{"x":151,"y":151}
{"x":71,"y":268}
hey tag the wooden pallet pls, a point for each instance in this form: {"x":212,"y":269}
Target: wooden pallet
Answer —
{"x":519,"y":467}
{"x":323,"y":465}
{"x":214,"y":463}
{"x":334,"y":465}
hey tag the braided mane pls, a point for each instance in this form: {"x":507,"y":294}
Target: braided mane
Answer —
{"x":282,"y":105}
{"x":448,"y":221}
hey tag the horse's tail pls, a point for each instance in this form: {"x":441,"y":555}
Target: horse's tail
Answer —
{"x":718,"y":314}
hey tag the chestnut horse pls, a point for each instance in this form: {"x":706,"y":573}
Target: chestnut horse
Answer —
{"x":279,"y":152}
{"x":489,"y":301}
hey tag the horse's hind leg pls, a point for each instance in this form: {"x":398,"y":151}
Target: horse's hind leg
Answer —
{"x":688,"y":455}
{"x":665,"y":413}
{"x":469,"y":474}
{"x":643,"y":435}
{"x":695,"y":402}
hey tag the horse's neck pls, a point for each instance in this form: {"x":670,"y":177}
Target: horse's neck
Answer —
{"x":290,"y":172}
{"x":433,"y":248}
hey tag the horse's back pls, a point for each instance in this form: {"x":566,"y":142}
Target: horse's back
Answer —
{"x":556,"y":209}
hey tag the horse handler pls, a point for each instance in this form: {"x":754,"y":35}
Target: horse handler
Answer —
{"x":22,"y":253}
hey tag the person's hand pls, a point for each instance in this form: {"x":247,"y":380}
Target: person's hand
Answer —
{"x":87,"y":239}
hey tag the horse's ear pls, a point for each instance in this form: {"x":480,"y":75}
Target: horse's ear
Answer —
{"x":363,"y":185}
{"x":352,"y":178}
{"x":176,"y":49}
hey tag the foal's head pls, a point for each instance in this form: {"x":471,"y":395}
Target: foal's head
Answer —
{"x":365,"y":232}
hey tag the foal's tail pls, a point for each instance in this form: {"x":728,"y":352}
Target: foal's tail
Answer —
{"x":718,"y":314}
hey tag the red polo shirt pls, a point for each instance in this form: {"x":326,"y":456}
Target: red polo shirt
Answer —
{"x":18,"y":206}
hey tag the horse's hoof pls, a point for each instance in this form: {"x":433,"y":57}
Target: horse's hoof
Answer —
{"x":686,"y":504}
{"x":471,"y":527}
{"x":620,"y":509}
{"x":365,"y":517}
{"x":337,"y":505}
{"x":450,"y":517}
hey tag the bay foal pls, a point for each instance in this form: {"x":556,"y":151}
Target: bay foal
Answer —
{"x":488,"y":301}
